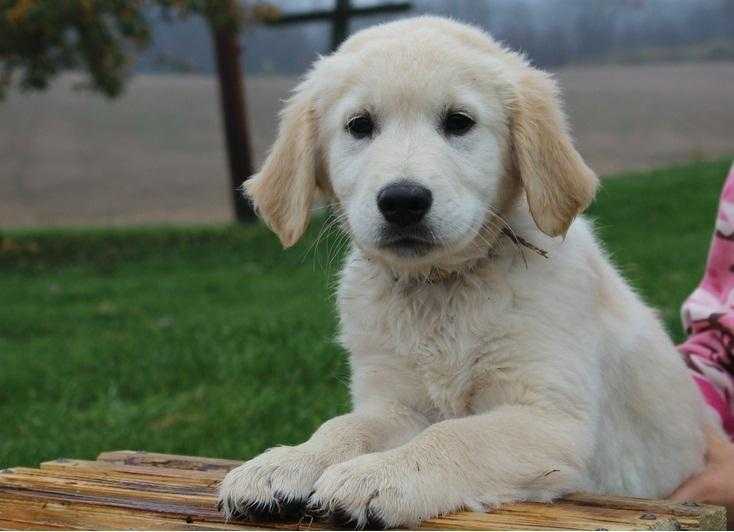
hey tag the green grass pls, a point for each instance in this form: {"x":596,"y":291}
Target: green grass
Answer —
{"x":213,"y":341}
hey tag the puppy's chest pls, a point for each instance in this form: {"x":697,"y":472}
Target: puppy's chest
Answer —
{"x":445,"y":356}
{"x":447,"y":339}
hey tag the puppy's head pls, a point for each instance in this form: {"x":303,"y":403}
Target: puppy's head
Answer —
{"x":422,"y":131}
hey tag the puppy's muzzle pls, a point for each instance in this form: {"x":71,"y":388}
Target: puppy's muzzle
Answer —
{"x":404,"y":204}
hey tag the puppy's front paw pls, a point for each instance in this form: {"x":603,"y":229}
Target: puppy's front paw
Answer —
{"x":272,"y":486}
{"x":376,"y":491}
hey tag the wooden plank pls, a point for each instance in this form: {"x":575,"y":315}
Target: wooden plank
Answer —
{"x":135,"y":483}
{"x":36,"y":510}
{"x":150,"y":490}
{"x":688,"y":516}
{"x":108,"y":510}
{"x":79,"y":512}
{"x":23,"y":481}
{"x":142,"y":470}
{"x":104,"y":502}
{"x":103,"y":470}
{"x":535,"y":516}
{"x":705,"y":517}
{"x":172,"y":461}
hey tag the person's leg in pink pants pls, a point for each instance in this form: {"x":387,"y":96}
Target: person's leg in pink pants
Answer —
{"x":708,"y":316}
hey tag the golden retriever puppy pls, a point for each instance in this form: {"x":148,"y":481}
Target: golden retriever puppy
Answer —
{"x":496,"y":354}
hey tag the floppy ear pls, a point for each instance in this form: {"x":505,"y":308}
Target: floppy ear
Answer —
{"x":557,"y":182}
{"x":284,"y":189}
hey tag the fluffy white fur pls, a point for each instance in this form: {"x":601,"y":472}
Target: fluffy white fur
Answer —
{"x":482,"y":372}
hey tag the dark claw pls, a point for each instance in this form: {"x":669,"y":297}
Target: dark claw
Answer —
{"x":293,"y":508}
{"x":374,"y":522}
{"x":280,"y":510}
{"x":338,"y":518}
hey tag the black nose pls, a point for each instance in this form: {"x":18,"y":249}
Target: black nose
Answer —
{"x":404,"y":203}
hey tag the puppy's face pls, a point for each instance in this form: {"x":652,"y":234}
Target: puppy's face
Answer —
{"x":415,"y":145}
{"x":422,"y":131}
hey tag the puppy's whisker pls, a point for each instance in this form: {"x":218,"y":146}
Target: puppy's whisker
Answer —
{"x":336,"y":245}
{"x":329,"y":231}
{"x":338,"y":241}
{"x":324,"y":228}
{"x":340,"y":247}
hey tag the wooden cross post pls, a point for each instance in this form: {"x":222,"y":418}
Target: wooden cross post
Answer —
{"x":339,"y":16}
{"x":231,"y":82}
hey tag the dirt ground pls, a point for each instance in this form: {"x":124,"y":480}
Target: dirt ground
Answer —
{"x":156,"y":155}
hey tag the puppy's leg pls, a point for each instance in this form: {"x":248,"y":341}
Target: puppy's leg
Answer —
{"x":278,"y":483}
{"x":512,"y":453}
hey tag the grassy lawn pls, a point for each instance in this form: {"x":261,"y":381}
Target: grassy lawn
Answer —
{"x":213,"y":341}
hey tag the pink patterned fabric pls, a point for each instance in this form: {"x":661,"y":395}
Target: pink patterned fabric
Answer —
{"x":708,"y":317}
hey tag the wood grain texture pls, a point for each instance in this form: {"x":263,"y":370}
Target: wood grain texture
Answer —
{"x":174,"y":461}
{"x":139,"y":490}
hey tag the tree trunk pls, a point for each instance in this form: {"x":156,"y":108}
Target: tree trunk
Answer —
{"x":340,"y":24}
{"x":234,"y":117}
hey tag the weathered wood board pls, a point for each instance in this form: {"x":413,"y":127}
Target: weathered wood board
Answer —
{"x":138,"y":490}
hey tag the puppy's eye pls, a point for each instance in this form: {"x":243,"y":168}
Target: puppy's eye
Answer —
{"x":457,"y":123}
{"x":360,"y":126}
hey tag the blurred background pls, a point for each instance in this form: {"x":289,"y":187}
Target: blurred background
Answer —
{"x":142,"y":306}
{"x":646,"y":83}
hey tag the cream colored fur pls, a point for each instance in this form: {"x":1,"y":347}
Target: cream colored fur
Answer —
{"x":482,"y":372}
